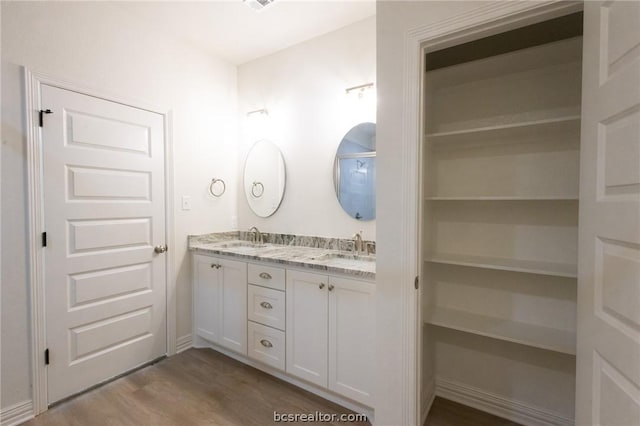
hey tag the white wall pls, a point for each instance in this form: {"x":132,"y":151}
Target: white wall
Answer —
{"x":303,"y":88}
{"x":394,"y":20}
{"x":537,"y":378}
{"x":96,"y":45}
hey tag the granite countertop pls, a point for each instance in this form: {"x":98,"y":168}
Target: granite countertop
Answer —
{"x":312,"y":253}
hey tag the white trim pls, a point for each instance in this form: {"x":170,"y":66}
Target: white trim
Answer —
{"x":201,"y":343}
{"x":170,"y":236}
{"x":34,"y":189}
{"x":483,"y":21}
{"x":16,"y":414}
{"x":183,"y":343}
{"x":428,"y":396}
{"x":33,"y":82}
{"x":498,"y":405}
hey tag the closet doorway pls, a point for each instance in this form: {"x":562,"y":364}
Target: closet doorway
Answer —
{"x":526,"y":311}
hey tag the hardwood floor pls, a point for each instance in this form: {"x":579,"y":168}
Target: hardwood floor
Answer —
{"x":196,"y":387}
{"x":203,"y":387}
{"x":448,"y":413}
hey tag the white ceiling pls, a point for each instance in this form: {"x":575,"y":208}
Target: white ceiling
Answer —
{"x":238,"y":34}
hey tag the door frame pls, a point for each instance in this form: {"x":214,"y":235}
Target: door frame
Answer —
{"x":33,"y":103}
{"x":480,"y":22}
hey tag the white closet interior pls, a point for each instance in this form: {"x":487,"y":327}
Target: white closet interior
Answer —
{"x":500,"y":173}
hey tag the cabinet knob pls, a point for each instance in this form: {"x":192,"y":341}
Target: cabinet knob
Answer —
{"x":265,"y":275}
{"x":331,"y":287}
{"x":321,"y":286}
{"x":266,"y":305}
{"x":216,"y":265}
{"x":266,"y":343}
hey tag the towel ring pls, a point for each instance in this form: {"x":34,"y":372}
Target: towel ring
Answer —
{"x":257,"y":189}
{"x":212,"y":191}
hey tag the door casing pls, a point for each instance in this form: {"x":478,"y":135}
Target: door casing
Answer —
{"x":33,"y":82}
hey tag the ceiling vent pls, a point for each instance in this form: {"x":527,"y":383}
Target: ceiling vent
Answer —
{"x":257,"y":4}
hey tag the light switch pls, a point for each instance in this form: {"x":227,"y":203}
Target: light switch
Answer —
{"x":186,"y":202}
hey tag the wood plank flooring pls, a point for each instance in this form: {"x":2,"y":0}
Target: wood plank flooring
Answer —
{"x":448,"y":413}
{"x":197,"y":387}
{"x":203,"y":387}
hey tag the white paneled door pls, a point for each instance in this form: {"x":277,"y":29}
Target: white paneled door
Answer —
{"x":608,"y":356}
{"x":104,"y":210}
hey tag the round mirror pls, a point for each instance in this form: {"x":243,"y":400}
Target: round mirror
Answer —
{"x":354,"y":172}
{"x":264,"y":178}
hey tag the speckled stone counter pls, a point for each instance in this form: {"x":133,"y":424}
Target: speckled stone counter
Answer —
{"x":316,"y":253}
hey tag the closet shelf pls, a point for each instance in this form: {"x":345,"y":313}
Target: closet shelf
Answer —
{"x":512,"y":331}
{"x":516,"y":265}
{"x":507,"y":198}
{"x":551,"y":126}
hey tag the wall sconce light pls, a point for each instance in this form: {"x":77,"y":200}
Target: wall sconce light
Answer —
{"x":359,"y":91}
{"x":261,"y":113}
{"x":258,"y":123}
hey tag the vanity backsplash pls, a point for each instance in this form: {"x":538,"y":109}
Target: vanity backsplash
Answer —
{"x":286,"y":240}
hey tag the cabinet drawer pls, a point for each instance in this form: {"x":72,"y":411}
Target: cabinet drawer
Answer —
{"x":267,"y":306}
{"x":266,"y":345}
{"x":266,"y":276}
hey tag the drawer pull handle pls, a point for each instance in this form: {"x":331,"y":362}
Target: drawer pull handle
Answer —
{"x":321,"y":286}
{"x":266,"y":305}
{"x":266,"y":343}
{"x":265,"y":275}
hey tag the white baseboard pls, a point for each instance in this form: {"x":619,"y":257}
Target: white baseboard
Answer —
{"x":510,"y":409}
{"x":428,"y":395}
{"x":183,"y":343}
{"x":16,"y":414}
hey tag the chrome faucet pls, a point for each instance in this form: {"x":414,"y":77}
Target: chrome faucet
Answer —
{"x":358,"y":245}
{"x":257,"y":235}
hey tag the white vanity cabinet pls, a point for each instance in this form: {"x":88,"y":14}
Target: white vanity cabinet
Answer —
{"x":298,"y":325}
{"x":307,"y":326}
{"x":352,"y":352}
{"x":220,"y":301}
{"x":330,"y":333}
{"x":266,"y":314}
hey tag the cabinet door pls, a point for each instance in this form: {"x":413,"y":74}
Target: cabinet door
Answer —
{"x":306,"y":336}
{"x":608,"y":355}
{"x":233,"y":298}
{"x":352,"y":338}
{"x":206,"y":297}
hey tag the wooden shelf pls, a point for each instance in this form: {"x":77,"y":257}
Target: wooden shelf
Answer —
{"x":507,"y":198}
{"x":516,"y":265}
{"x":512,"y":131}
{"x":512,"y":331}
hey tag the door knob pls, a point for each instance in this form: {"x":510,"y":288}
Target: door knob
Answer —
{"x":160,"y":249}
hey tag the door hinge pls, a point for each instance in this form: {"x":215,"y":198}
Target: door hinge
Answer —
{"x":44,"y":239}
{"x":46,"y":356}
{"x":41,"y":114}
{"x":416,"y":282}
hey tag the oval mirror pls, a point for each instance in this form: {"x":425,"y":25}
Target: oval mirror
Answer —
{"x":264,"y":178}
{"x":354,"y":172}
